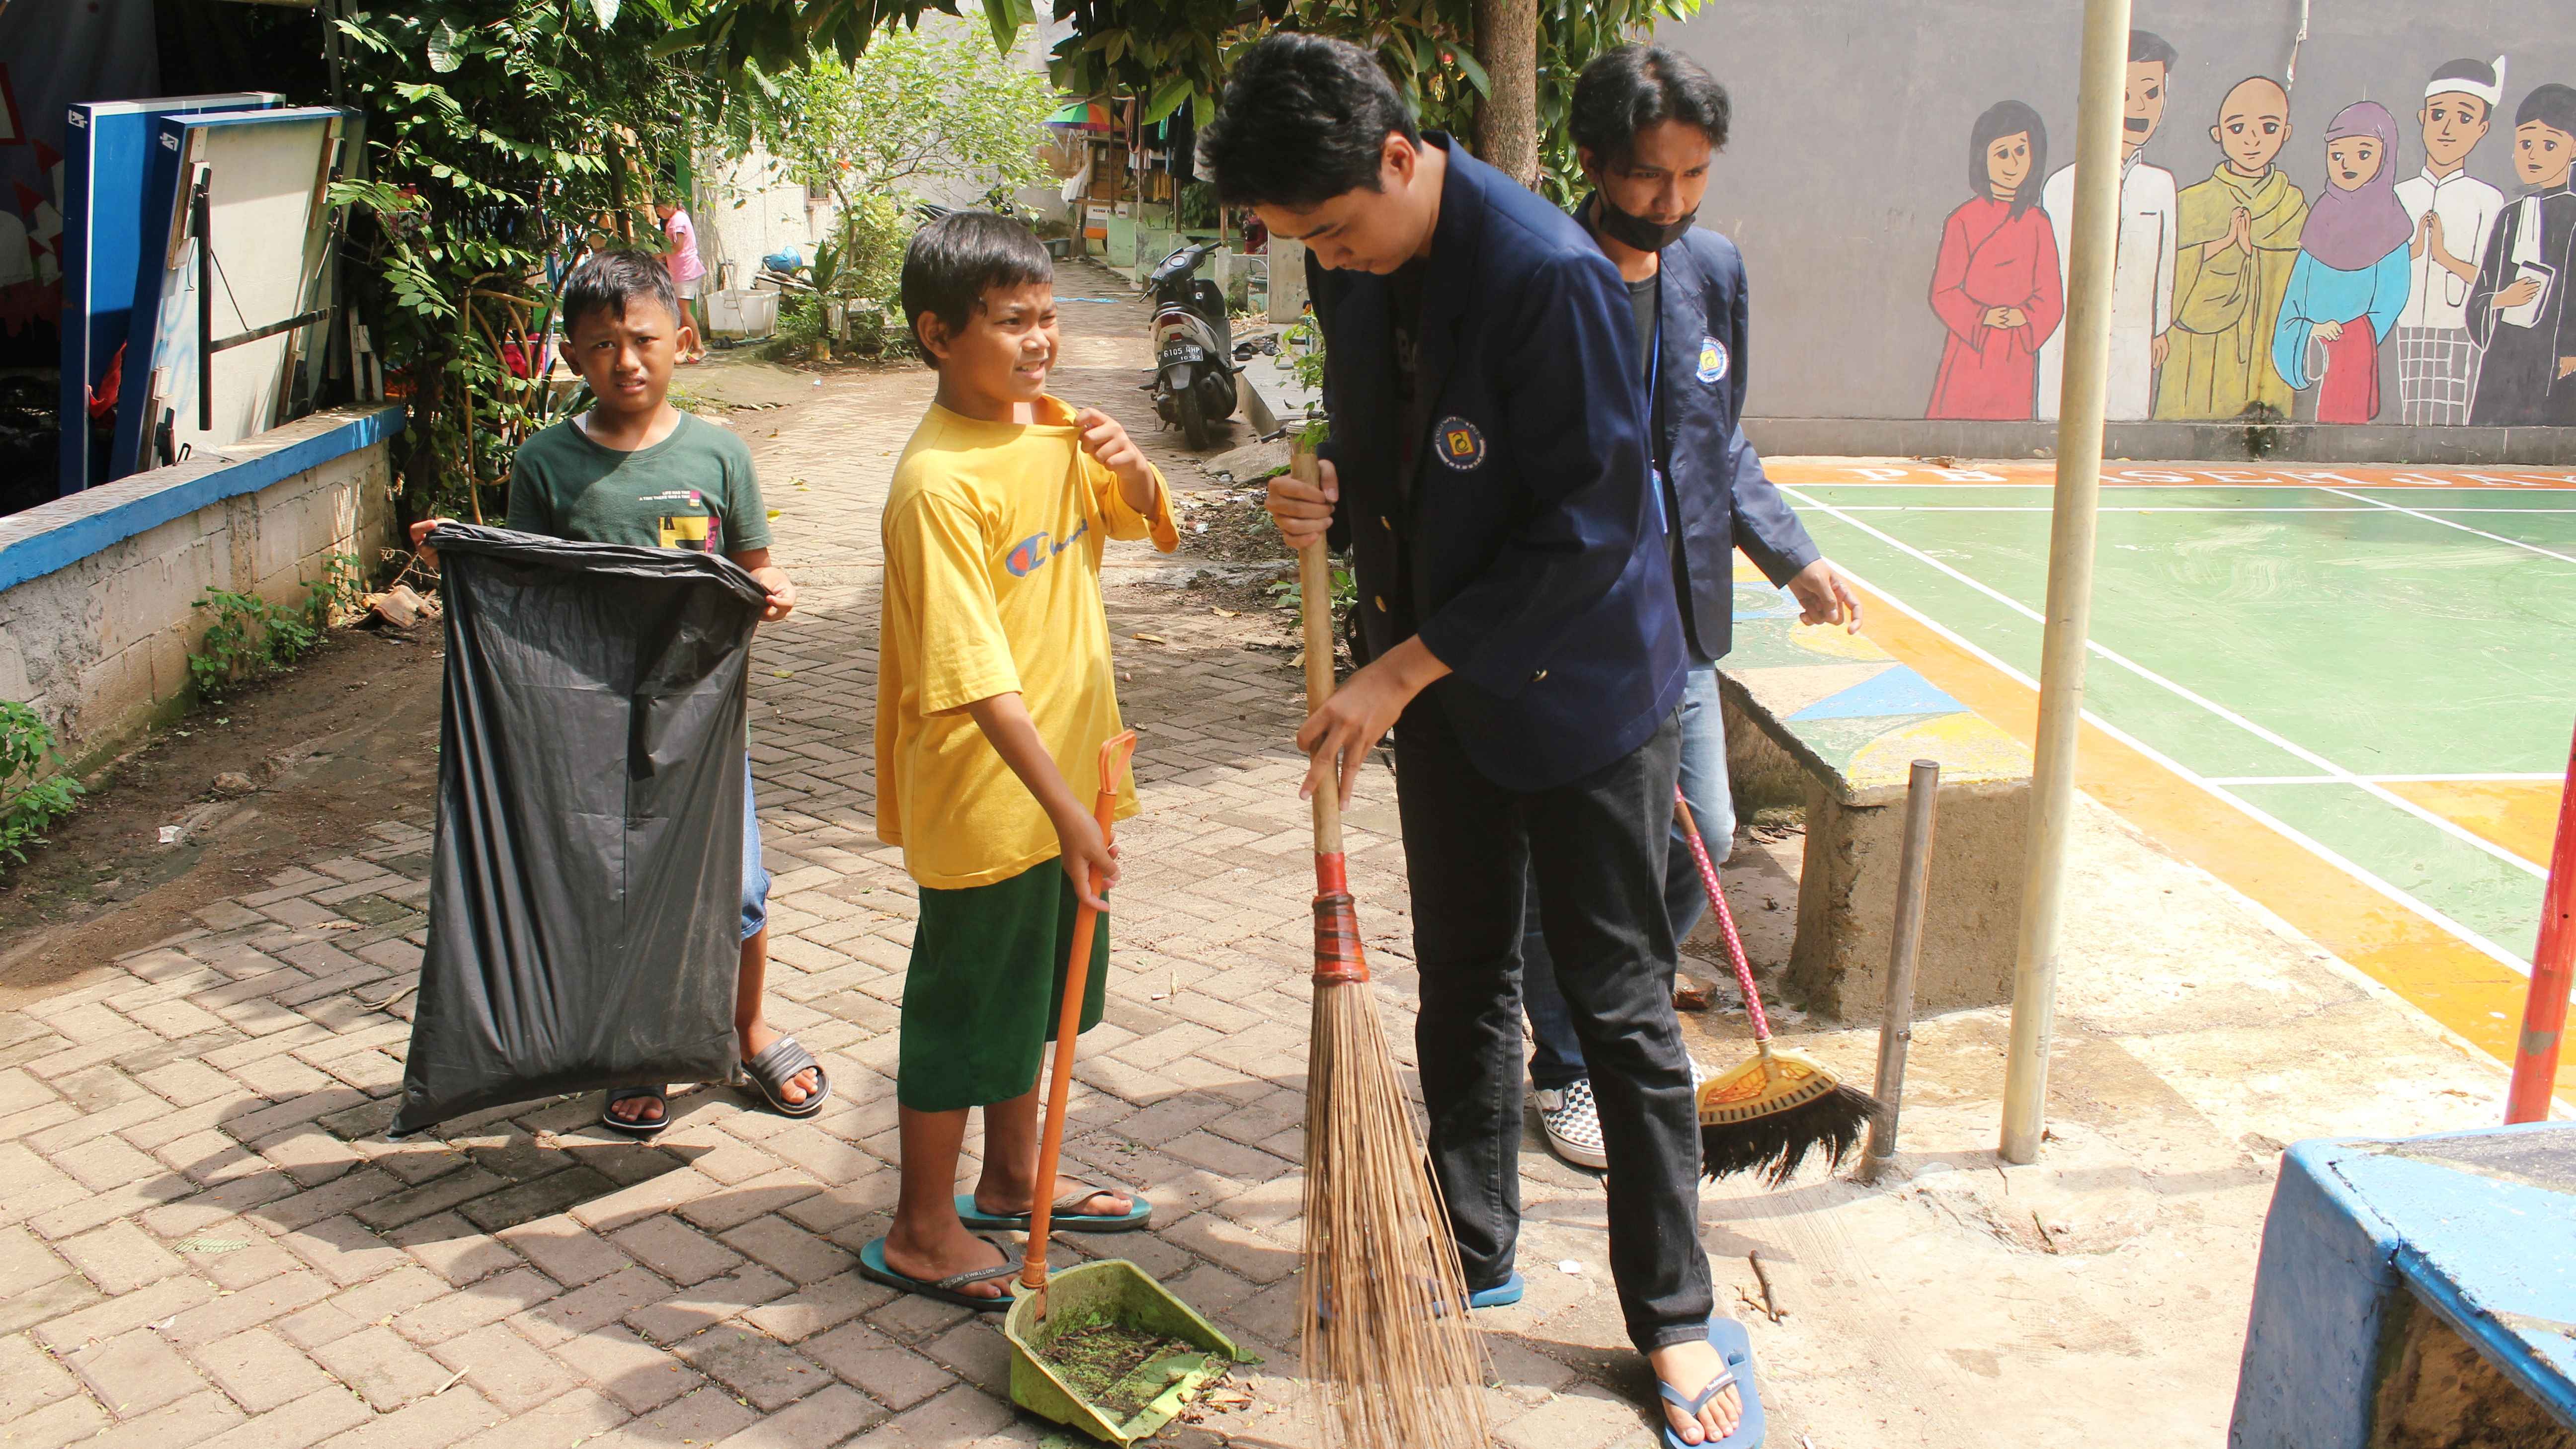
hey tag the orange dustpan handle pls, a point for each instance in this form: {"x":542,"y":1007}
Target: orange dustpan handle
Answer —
{"x":1077,"y":980}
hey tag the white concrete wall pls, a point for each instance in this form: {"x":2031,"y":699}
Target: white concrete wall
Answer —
{"x":100,"y":647}
{"x":749,"y":209}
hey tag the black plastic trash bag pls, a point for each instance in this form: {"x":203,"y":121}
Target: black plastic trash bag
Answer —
{"x":585,"y":899}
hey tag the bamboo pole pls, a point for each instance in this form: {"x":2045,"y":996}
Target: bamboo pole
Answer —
{"x":2100,"y":110}
{"x":1896,"y":1022}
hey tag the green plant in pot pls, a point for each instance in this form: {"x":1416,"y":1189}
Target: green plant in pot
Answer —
{"x":828,"y":274}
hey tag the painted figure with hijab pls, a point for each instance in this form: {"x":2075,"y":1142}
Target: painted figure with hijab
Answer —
{"x":2350,"y":281}
{"x":1995,"y":285}
{"x":2236,"y":243}
{"x":2519,"y":310}
{"x":2454,"y":213}
{"x":2142,"y":265}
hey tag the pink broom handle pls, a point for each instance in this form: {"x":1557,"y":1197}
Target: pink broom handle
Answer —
{"x":1725,"y":919}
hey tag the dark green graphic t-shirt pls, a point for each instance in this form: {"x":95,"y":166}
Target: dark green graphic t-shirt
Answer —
{"x":693,"y":490}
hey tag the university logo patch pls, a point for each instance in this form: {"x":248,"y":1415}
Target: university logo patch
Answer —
{"x":1712,"y":359}
{"x":1459,"y":444}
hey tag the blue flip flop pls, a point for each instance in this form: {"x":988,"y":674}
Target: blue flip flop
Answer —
{"x":1501,"y":1295}
{"x":1728,"y":1337}
{"x":872,"y":1264}
{"x":1137,"y":1216}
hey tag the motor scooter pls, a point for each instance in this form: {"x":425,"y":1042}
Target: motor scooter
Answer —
{"x":1194,"y":369}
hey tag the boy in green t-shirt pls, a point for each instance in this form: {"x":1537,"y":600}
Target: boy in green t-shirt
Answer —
{"x":636,"y":470}
{"x":994,"y":696}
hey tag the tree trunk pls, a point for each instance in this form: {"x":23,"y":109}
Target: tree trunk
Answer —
{"x":1507,"y":120}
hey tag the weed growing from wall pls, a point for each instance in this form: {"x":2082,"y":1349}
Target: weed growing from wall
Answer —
{"x":29,"y":804}
{"x":250,"y":637}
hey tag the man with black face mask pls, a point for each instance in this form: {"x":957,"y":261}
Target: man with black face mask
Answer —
{"x":1647,"y":123}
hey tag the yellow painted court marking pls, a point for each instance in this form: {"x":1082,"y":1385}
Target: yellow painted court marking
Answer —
{"x":2520,"y":815}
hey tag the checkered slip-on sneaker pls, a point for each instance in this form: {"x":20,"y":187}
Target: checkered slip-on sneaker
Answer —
{"x":1573,"y":1124}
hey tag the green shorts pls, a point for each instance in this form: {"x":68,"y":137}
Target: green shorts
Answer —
{"x":975,"y":1016}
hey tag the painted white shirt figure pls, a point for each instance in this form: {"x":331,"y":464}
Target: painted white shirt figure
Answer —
{"x":2142,"y":284}
{"x":2468,"y":208}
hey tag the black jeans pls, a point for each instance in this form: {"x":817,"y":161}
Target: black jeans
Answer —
{"x":1595,"y":851}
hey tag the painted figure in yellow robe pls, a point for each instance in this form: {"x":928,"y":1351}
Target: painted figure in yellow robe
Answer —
{"x":2236,"y":239}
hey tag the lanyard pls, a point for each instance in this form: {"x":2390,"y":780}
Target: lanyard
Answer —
{"x":1654,"y":371}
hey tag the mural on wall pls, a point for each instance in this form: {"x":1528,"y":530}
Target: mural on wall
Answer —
{"x":2237,"y":240}
{"x":2454,"y":213}
{"x":2248,"y":295}
{"x":2142,"y":270}
{"x":1996,"y":285}
{"x":2352,"y":275}
{"x":2518,"y":309}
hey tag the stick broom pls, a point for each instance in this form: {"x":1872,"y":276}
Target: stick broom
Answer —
{"x":1389,"y":1353}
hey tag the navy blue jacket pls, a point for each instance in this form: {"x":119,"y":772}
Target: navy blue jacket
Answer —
{"x":1726,"y":501}
{"x":1528,"y":556}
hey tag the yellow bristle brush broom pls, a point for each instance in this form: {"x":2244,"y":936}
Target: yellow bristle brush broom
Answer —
{"x":1765,"y":1116}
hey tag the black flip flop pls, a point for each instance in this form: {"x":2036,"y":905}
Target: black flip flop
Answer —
{"x":775,"y":1066}
{"x":641,"y":1128}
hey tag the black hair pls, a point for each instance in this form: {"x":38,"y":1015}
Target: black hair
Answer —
{"x":2146,"y":46}
{"x":1632,"y":87}
{"x":2008,"y":118}
{"x":1303,"y":120}
{"x":955,"y":260}
{"x":2551,"y":105}
{"x":610,"y":281}
{"x":2474,"y":71}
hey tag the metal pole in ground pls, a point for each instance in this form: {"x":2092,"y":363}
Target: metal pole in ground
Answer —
{"x":2100,"y":112}
{"x":1896,"y":1023}
{"x":2553,"y":971}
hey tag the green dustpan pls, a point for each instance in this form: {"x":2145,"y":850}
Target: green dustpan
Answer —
{"x":1113,"y":1291}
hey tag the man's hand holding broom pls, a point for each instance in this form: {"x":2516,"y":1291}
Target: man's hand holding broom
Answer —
{"x":1340,"y":733}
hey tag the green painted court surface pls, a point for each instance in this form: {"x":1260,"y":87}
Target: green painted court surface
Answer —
{"x":2385,"y":670}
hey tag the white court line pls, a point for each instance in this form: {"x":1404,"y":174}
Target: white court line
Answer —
{"x":2503,"y":778}
{"x":2038,"y":508}
{"x":2254,"y":812}
{"x":2268,"y":736}
{"x":2446,"y":523}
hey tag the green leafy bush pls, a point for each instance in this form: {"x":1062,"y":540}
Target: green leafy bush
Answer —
{"x":251,"y":636}
{"x":29,"y":804}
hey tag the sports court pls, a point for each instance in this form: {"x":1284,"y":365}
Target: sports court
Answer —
{"x":2348,"y":693}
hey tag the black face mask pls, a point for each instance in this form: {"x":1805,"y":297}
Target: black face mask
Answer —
{"x":1636,"y":231}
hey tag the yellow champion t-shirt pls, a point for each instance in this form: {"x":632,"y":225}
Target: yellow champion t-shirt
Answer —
{"x":993,"y":538}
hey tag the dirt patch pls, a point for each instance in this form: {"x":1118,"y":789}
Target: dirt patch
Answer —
{"x":345,"y":740}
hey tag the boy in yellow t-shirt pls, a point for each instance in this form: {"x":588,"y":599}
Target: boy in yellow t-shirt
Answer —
{"x":994,"y":696}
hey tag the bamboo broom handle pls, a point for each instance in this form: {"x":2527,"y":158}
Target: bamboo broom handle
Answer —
{"x":1068,"y":1027}
{"x":1315,"y":600}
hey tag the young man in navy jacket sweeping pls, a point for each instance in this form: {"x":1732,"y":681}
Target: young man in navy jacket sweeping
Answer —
{"x":1489,"y":469}
{"x":1647,"y":123}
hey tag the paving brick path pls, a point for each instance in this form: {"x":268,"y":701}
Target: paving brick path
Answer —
{"x":205,"y":1240}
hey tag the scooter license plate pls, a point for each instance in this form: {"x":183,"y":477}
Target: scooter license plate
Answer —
{"x":1183,"y":352}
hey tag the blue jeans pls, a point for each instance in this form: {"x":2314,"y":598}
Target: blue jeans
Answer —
{"x":755,"y":879}
{"x":1558,"y":1061}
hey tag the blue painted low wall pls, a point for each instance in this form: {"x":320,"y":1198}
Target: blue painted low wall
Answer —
{"x":2477,"y":1227}
{"x":98,"y":590}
